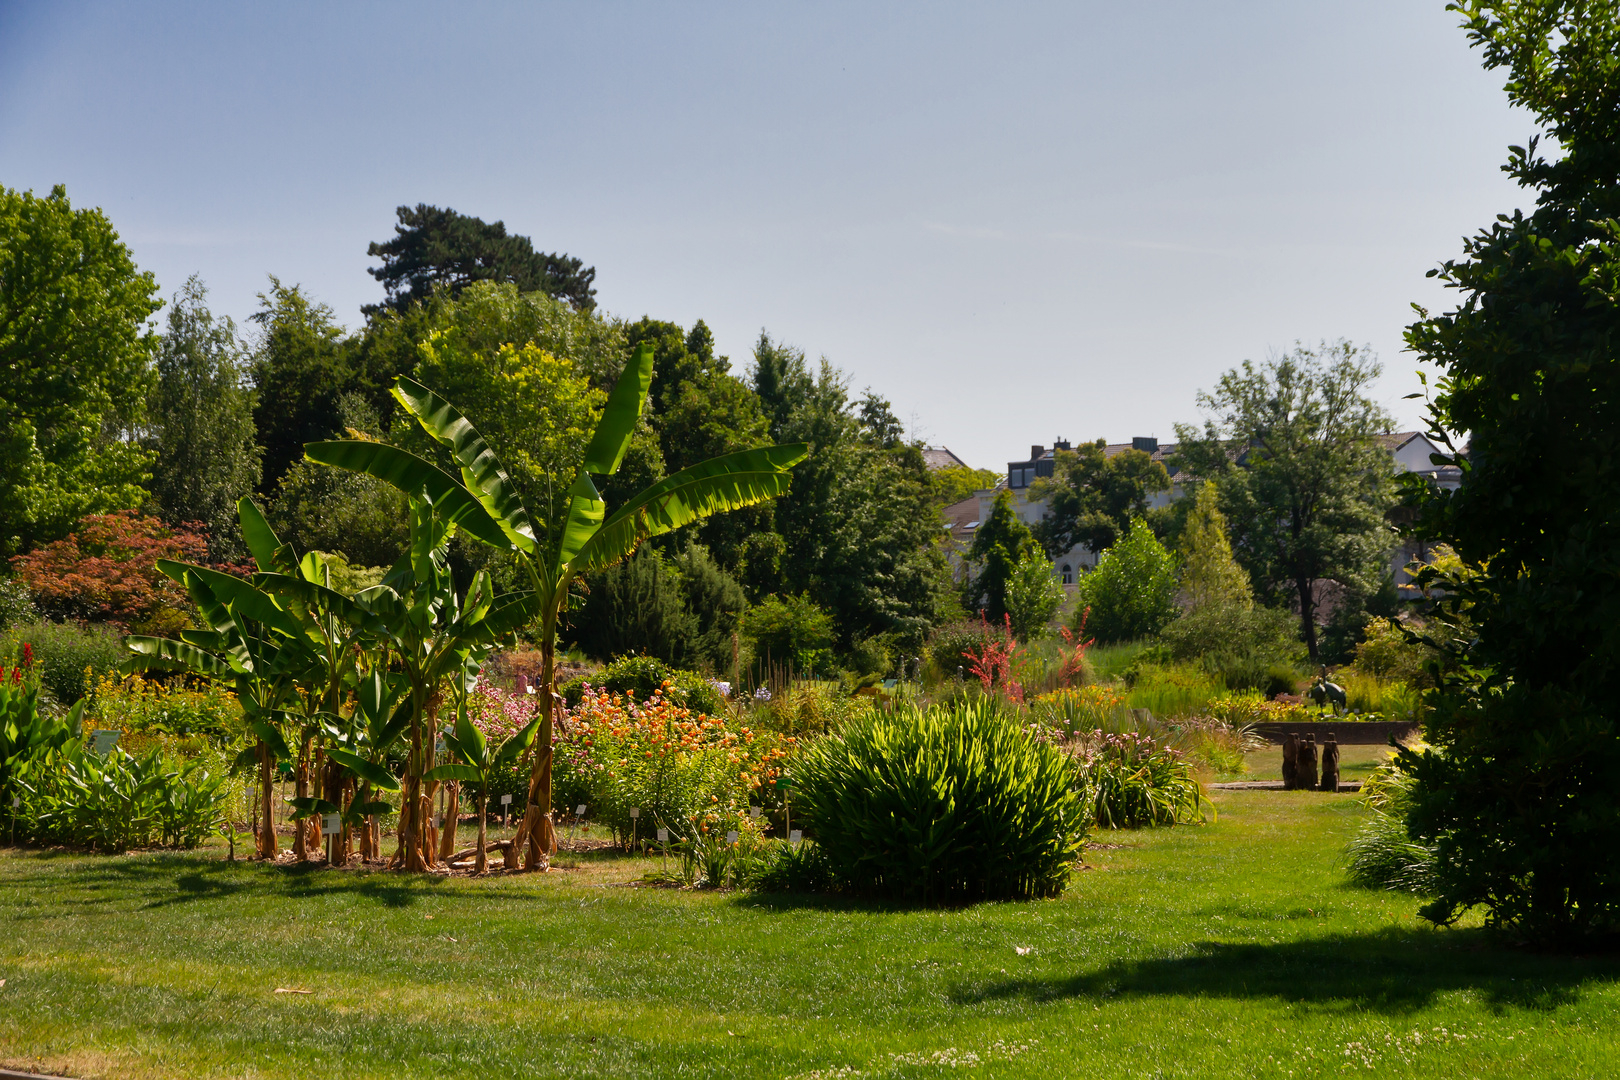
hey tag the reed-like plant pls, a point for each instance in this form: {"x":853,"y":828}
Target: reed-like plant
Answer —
{"x":942,"y":806}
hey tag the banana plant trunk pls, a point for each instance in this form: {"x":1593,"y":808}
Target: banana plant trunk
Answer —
{"x":481,"y":866}
{"x":452,"y":812}
{"x":410,"y":807}
{"x":267,"y":817}
{"x":301,"y":790}
{"x":535,"y":835}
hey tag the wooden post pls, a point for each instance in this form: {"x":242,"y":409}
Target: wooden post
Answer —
{"x":1330,"y":763}
{"x":1306,"y":768}
{"x":1290,"y":764}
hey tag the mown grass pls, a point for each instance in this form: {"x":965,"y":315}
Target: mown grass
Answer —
{"x":1229,"y":950}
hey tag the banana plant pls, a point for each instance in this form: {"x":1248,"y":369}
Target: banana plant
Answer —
{"x":435,"y":636}
{"x":484,"y":502}
{"x":479,"y":764}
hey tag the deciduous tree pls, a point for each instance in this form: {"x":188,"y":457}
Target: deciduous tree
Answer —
{"x":76,"y":353}
{"x":1091,"y":497}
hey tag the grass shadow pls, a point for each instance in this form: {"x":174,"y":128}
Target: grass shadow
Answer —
{"x":1392,"y":971}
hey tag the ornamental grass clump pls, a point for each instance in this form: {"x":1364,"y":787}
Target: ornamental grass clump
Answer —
{"x":1136,"y":780}
{"x":944,"y":805}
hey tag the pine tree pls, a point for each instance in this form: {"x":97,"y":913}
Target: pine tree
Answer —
{"x":1210,"y":576}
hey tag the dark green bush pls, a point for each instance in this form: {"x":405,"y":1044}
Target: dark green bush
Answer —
{"x":1135,"y":781}
{"x":68,"y":658}
{"x":949,"y":649}
{"x":1250,"y":648}
{"x":943,"y":806}
{"x":785,"y":867}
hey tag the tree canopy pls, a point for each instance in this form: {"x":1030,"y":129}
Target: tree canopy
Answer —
{"x":77,"y":352}
{"x":437,"y":249}
{"x":1304,"y":480}
{"x":1520,"y":795}
{"x":1093,"y":497}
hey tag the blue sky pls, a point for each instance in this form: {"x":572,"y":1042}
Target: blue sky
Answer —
{"x":1015,"y":221}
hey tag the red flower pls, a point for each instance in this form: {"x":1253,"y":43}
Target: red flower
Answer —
{"x":28,"y":655}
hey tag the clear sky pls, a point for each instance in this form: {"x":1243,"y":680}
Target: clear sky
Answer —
{"x":1016,"y":221}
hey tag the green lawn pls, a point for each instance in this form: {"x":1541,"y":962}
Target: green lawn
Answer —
{"x":1231,"y":950}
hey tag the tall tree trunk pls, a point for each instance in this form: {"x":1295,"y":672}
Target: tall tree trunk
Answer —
{"x":410,"y":807}
{"x":430,"y":830}
{"x":267,"y":817}
{"x":1307,"y":617}
{"x":481,"y":866}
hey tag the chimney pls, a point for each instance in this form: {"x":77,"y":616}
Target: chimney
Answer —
{"x":1061,"y":444}
{"x":1036,"y":451}
{"x":1144,"y":442}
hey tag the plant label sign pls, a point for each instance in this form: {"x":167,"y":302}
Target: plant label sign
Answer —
{"x":438,"y":821}
{"x":663,"y":836}
{"x":579,"y":811}
{"x":102,"y":742}
{"x":16,"y":801}
{"x":331,"y":824}
{"x":506,"y":800}
{"x":731,"y":837}
{"x":635,"y":811}
{"x":795,"y":836}
{"x":753,"y":812}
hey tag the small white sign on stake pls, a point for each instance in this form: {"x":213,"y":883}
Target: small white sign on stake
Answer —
{"x":506,"y":800}
{"x":331,"y":824}
{"x":731,"y":837}
{"x":579,"y":811}
{"x":753,"y":812}
{"x":795,"y":836}
{"x":635,"y":811}
{"x":663,"y":836}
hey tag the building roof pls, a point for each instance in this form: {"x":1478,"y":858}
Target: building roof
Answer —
{"x":962,"y":518}
{"x":938,"y":457}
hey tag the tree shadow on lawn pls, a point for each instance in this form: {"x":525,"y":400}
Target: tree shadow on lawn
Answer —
{"x":1392,"y":971}
{"x":159,"y":880}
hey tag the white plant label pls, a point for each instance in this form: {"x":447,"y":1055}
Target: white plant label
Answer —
{"x":635,"y":811}
{"x":663,"y":836}
{"x":331,"y":825}
{"x":579,"y":811}
{"x":731,"y":837}
{"x":753,"y":812}
{"x":16,"y":801}
{"x":795,"y":836}
{"x":438,"y":821}
{"x":506,"y":800}
{"x":102,"y":742}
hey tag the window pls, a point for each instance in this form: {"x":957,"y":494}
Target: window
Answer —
{"x":1068,"y":574}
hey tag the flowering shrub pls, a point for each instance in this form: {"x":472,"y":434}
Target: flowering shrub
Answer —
{"x":683,"y":769}
{"x":1080,"y":708}
{"x":135,"y":705}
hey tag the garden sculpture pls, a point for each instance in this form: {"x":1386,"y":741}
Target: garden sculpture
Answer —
{"x":1290,"y":764}
{"x":1330,"y":763}
{"x":1324,"y":692}
{"x":1305,"y":770}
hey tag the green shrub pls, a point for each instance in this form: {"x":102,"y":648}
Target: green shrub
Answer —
{"x":790,"y":630}
{"x":1249,"y":648}
{"x":785,"y":867}
{"x":16,"y":603}
{"x":1174,"y":690}
{"x":69,"y":659}
{"x":1382,"y":855}
{"x":952,"y":648}
{"x":1386,"y":653}
{"x":943,"y":806}
{"x":120,"y":802}
{"x":1132,"y":592}
{"x":1134,"y":780}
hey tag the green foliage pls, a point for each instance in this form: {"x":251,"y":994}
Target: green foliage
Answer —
{"x":1092,"y":498}
{"x":201,"y":414}
{"x":860,"y":530}
{"x":792,"y":868}
{"x":135,"y":705}
{"x":120,"y":802}
{"x":1520,"y":794}
{"x":1135,"y":781}
{"x":1132,"y":591}
{"x":1001,"y":542}
{"x":16,"y":603}
{"x":1387,"y":652}
{"x":436,"y":250}
{"x":953,"y":648}
{"x":954,"y":483}
{"x":1245,"y":647}
{"x":77,"y":354}
{"x":634,"y":607}
{"x":1304,"y":481}
{"x":943,"y":806}
{"x":28,"y":735}
{"x":1210,"y":576}
{"x":1034,"y":595}
{"x":351,"y":514}
{"x":1173,"y":690}
{"x":790,"y":630}
{"x":715,"y":602}
{"x":1383,"y":855}
{"x":70,"y":659}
